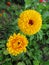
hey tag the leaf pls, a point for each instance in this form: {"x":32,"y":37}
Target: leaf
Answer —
{"x":1,"y":51}
{"x":45,"y":26}
{"x":7,"y":63}
{"x":0,"y":26}
{"x":31,"y":38}
{"x":46,"y":63}
{"x":40,"y":35}
{"x":47,"y":41}
{"x":47,"y":33}
{"x":45,"y":15}
{"x":28,"y":3}
{"x":36,"y":62}
{"x":8,"y":59}
{"x":5,"y":52}
{"x":1,"y":46}
{"x":21,"y":63}
{"x":1,"y":57}
{"x":2,"y":41}
{"x":30,"y":54}
{"x":28,"y":62}
{"x":46,"y":51}
{"x":5,"y":15}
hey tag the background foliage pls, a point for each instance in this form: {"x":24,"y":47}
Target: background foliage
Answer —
{"x":38,"y":48}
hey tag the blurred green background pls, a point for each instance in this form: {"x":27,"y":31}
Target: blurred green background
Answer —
{"x":38,"y":48}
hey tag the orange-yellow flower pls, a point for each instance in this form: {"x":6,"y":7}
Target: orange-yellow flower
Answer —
{"x":0,"y":14}
{"x":17,"y":44}
{"x":30,"y":22}
{"x":8,"y":3}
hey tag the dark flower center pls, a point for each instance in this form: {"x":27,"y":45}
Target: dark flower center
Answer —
{"x":18,"y":43}
{"x":30,"y":22}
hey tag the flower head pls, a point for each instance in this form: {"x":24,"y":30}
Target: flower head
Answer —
{"x":30,"y":22}
{"x":8,"y":3}
{"x":17,"y":44}
{"x":0,"y":15}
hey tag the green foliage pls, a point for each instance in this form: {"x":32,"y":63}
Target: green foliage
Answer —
{"x":21,"y":63}
{"x":36,"y":62}
{"x":7,"y":63}
{"x":38,"y":47}
{"x":46,"y":63}
{"x":28,"y":3}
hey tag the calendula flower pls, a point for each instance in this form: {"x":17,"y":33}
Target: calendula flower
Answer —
{"x":17,"y":44}
{"x":0,"y":15}
{"x":8,"y":3}
{"x":30,"y":22}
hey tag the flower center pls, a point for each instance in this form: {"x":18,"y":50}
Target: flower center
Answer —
{"x":30,"y":22}
{"x":18,"y":43}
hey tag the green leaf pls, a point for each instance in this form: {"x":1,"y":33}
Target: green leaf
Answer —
{"x":7,"y":63}
{"x":31,"y":38}
{"x":46,"y":51}
{"x":45,"y":26}
{"x":0,"y":26}
{"x":1,"y":51}
{"x":45,"y":15}
{"x":5,"y":15}
{"x":28,"y":62}
{"x":30,"y":54}
{"x":5,"y":52}
{"x":21,"y":63}
{"x":1,"y":46}
{"x":8,"y":59}
{"x":46,"y":63}
{"x":40,"y":35}
{"x":1,"y":57}
{"x":47,"y":41}
{"x":36,"y":62}
{"x":47,"y":33}
{"x":2,"y":41}
{"x":28,"y":3}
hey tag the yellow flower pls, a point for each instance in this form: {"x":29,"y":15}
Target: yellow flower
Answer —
{"x":30,"y":22}
{"x":0,"y":14}
{"x":17,"y":44}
